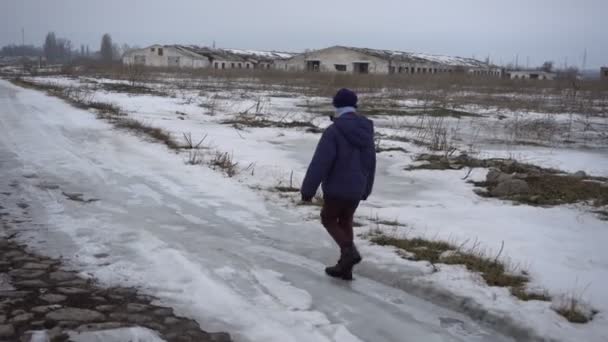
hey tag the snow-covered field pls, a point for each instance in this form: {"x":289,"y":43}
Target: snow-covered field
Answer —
{"x":561,"y":247}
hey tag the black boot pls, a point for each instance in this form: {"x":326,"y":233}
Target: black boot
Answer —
{"x":349,"y":257}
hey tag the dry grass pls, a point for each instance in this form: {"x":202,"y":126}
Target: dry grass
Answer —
{"x":194,"y":158}
{"x":105,"y":108}
{"x":317,"y":201}
{"x":258,"y":121}
{"x":286,"y":189}
{"x":191,"y":144}
{"x":224,"y":161}
{"x":494,"y":272}
{"x":154,"y":133}
{"x":130,"y":89}
{"x":574,"y":309}
{"x":455,"y":90}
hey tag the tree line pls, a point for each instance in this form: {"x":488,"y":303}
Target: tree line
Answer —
{"x":58,"y":50}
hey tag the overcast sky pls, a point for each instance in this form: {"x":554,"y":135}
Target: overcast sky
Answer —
{"x":536,"y":30}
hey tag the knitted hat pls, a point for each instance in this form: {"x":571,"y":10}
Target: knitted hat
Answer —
{"x":345,"y":98}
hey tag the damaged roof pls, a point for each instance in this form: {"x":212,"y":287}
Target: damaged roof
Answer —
{"x":414,"y":57}
{"x":235,"y":55}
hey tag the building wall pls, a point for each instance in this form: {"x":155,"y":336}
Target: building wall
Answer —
{"x":329,"y":58}
{"x":604,"y":73}
{"x":339,"y":59}
{"x":528,"y":75}
{"x":165,"y":57}
{"x":231,"y":64}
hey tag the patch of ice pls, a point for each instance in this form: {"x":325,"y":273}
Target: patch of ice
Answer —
{"x":136,"y":334}
{"x":289,"y":295}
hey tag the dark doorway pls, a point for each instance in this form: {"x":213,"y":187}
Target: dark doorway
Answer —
{"x":313,"y":65}
{"x":361,"y":68}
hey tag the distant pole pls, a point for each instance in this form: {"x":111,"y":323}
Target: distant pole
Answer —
{"x":584,"y":60}
{"x":214,"y":44}
{"x":517,"y":61}
{"x":22,"y":36}
{"x":527,"y":62}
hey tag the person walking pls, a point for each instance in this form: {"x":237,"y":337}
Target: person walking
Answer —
{"x":344,"y":164}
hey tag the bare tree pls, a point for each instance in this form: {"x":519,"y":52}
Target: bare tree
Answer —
{"x":50,"y":47}
{"x":64,"y":50}
{"x":116,"y":51}
{"x":107,"y":52}
{"x":547,"y":66}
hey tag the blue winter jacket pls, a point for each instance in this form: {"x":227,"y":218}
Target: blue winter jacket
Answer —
{"x":344,"y":161}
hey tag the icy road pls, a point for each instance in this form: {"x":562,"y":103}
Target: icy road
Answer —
{"x":202,"y":243}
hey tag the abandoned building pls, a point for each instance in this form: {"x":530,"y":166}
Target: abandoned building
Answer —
{"x":190,"y":56}
{"x":165,"y":56}
{"x":530,"y":75}
{"x":604,"y":73}
{"x":364,"y":61}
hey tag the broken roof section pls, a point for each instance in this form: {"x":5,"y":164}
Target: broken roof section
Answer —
{"x":235,"y":55}
{"x":262,"y":55}
{"x":413,"y":57}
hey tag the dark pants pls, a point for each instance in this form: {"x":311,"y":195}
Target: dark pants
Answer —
{"x":337,"y":218}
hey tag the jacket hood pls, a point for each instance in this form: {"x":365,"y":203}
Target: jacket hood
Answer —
{"x":358,"y":130}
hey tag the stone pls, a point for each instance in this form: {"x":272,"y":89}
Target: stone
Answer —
{"x":74,"y":314}
{"x":98,"y":299}
{"x":22,"y":318}
{"x":13,"y":254}
{"x":73,"y":283}
{"x":171,"y":320}
{"x":133,"y":307}
{"x":61,"y":276}
{"x":45,"y":308}
{"x":26,"y":274}
{"x":155,"y":326}
{"x":138,"y":318}
{"x":68,"y":324}
{"x":520,"y":175}
{"x":37,"y":325}
{"x":71,"y":290}
{"x":163,"y":312}
{"x":49,"y":262}
{"x":53,"y":298}
{"x":31,"y":283}
{"x":125,"y":291}
{"x":105,"y":308}
{"x":510,"y":188}
{"x":219,"y":337}
{"x":17,"y":312}
{"x":503,"y":177}
{"x":13,"y":294}
{"x":144,"y":298}
{"x":99,"y":326}
{"x":6,"y":330}
{"x":24,"y":258}
{"x":580,"y":174}
{"x":35,"y":266}
{"x":118,"y":316}
{"x":492,"y":176}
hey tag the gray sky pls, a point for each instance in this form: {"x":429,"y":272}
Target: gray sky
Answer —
{"x":536,"y":29}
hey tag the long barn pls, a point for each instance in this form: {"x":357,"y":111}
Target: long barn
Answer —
{"x":373,"y":61}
